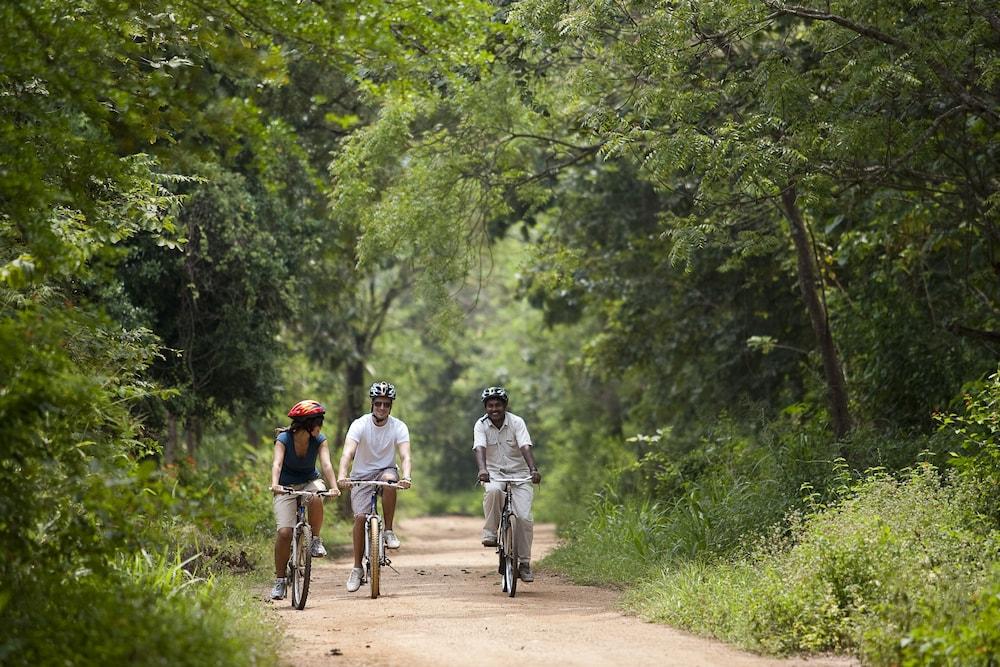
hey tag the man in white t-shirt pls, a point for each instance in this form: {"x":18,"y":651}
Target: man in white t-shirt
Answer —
{"x":502,"y":446}
{"x":372,"y":442}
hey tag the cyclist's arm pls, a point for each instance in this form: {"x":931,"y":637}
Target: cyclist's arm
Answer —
{"x":404,"y":459}
{"x":529,"y":458}
{"x":484,"y":476}
{"x":350,"y":446}
{"x":279,"y":459}
{"x":327,"y":467}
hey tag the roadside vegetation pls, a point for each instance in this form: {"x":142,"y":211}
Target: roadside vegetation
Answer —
{"x":734,"y":260}
{"x":899,"y":568}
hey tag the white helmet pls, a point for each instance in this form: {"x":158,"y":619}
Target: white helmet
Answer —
{"x":495,"y":392}
{"x":382,"y":389}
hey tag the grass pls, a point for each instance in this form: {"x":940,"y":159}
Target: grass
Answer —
{"x":899,"y":571}
{"x":149,"y":610}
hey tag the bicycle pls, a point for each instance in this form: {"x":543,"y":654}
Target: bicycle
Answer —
{"x":506,"y":544}
{"x":299,"y":567}
{"x":374,"y":557}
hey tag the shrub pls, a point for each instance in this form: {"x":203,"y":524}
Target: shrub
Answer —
{"x":617,"y":544}
{"x":978,"y":431}
{"x":148,"y":611}
{"x":875,"y":572}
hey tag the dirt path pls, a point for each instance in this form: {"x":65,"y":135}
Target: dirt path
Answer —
{"x":445,"y":607}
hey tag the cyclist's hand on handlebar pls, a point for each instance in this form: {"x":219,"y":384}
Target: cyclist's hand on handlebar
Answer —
{"x":404,"y":483}
{"x":536,"y":477}
{"x":278,"y":489}
{"x":344,"y":483}
{"x":484,"y":476}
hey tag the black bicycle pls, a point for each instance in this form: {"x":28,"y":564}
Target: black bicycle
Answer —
{"x":299,"y":567}
{"x":506,"y":544}
{"x":374,"y":558}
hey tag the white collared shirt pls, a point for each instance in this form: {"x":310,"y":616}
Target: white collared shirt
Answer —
{"x":502,"y":445}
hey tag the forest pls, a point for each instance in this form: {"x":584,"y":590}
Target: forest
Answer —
{"x":736,"y":261}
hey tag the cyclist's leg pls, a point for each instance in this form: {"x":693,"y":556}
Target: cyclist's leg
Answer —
{"x":389,"y":495}
{"x":316,"y":506}
{"x":493,"y":493}
{"x":315,"y":516}
{"x":361,"y":500}
{"x":358,"y":538}
{"x":284,"y":517}
{"x":522,"y":495}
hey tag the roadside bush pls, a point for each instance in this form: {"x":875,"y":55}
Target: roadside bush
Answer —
{"x":874,"y":573}
{"x":965,"y":633}
{"x":978,"y":433}
{"x":617,"y":545}
{"x":148,"y":611}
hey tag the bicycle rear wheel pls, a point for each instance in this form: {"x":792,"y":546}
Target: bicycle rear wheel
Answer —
{"x":301,"y":569}
{"x":375,"y":554}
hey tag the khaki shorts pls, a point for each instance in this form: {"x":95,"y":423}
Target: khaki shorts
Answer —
{"x":285,"y":506}
{"x":361,"y":496}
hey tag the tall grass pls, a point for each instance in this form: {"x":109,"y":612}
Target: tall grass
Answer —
{"x":880,"y":572}
{"x":148,"y":610}
{"x":618,"y":545}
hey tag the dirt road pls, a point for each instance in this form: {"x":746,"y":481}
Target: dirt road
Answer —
{"x":445,"y":607}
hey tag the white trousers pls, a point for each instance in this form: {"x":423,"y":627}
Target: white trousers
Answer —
{"x":522,"y":494}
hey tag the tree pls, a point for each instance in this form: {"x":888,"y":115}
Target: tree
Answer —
{"x":769,"y":108}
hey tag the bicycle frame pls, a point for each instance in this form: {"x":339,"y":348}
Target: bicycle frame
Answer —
{"x":374,"y":556}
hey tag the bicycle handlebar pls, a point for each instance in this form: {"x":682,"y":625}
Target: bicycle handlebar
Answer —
{"x":375,"y":482}
{"x":519,"y":479}
{"x":289,"y":491}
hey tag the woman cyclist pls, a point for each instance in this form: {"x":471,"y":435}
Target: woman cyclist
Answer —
{"x":296,"y":449}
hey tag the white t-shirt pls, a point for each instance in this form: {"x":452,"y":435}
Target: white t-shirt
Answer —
{"x":376,"y":444}
{"x":502,"y":445}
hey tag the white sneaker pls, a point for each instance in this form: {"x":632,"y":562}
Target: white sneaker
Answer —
{"x":391,"y":541}
{"x":354,"y":581}
{"x":317,"y":548}
{"x":278,"y":592}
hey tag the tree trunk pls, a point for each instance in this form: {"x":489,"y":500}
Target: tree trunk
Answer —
{"x":170,"y":446}
{"x":250,"y":433}
{"x":809,"y":282}
{"x":354,"y":381}
{"x":193,"y":436}
{"x":354,"y":407}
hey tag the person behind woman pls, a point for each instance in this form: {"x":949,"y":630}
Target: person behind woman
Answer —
{"x":296,"y":449}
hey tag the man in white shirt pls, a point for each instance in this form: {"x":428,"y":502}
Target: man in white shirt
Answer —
{"x":372,"y":443}
{"x":502,"y":446}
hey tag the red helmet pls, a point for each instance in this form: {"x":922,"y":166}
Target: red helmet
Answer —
{"x":306,"y":408}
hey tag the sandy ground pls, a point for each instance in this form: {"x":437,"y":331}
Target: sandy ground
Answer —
{"x":445,"y":607}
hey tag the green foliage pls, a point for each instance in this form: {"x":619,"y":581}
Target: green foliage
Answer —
{"x":978,"y":431}
{"x":148,"y":612}
{"x":869,"y":573}
{"x":233,"y":291}
{"x":963,"y":634}
{"x":618,"y":545}
{"x":724,"y":106}
{"x":214,"y":504}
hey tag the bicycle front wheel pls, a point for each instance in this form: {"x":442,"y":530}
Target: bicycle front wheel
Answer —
{"x":301,"y":560}
{"x":374,"y":554}
{"x":510,"y":557}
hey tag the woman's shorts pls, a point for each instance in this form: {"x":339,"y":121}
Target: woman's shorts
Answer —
{"x":284,"y":505}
